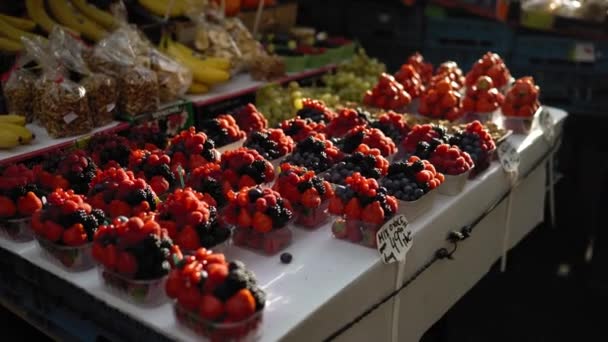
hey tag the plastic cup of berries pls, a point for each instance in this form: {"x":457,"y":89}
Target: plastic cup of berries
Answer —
{"x":520,"y":124}
{"x":273,"y":144}
{"x":521,"y":106}
{"x":224,"y":132}
{"x":478,"y":143}
{"x":65,"y":227}
{"x":19,"y":199}
{"x":261,"y":220}
{"x":216,"y":299}
{"x":245,"y":167}
{"x":17,"y":229}
{"x":133,"y":257}
{"x":456,"y":165}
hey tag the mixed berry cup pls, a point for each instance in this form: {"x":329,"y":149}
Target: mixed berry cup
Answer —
{"x":356,"y":231}
{"x":17,"y":230}
{"x":269,"y":243}
{"x":312,"y":218}
{"x":71,"y":258}
{"x":142,"y":292}
{"x":414,"y":209}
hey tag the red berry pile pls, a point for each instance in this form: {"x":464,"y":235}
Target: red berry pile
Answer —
{"x":371,"y":137}
{"x":223,"y":130}
{"x":191,"y":149}
{"x":212,"y":290}
{"x":393,"y":125}
{"x":424,"y":69}
{"x":207,"y":179}
{"x":301,"y":187}
{"x":423,"y":133}
{"x":244,"y":167}
{"x":270,"y":143}
{"x":118,"y":193}
{"x":67,"y":219}
{"x":451,"y":160}
{"x":367,"y":161}
{"x":411,"y":81}
{"x":408,"y":181}
{"x":109,"y":150}
{"x":441,"y":101}
{"x":191,"y":221}
{"x":154,"y":167}
{"x":300,"y":129}
{"x":315,"y":153}
{"x":345,"y":120}
{"x":250,"y":119}
{"x":19,"y":195}
{"x":482,"y":97}
{"x":490,"y":65}
{"x":387,"y":94}
{"x":135,"y":247}
{"x":449,"y":70}
{"x":315,"y":110}
{"x":476,"y":141}
{"x":522,"y":98}
{"x":76,"y":167}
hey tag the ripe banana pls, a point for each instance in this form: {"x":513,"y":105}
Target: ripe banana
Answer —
{"x":159,"y":7}
{"x":200,"y":71}
{"x":13,"y":33}
{"x":36,"y":10}
{"x":99,"y":16}
{"x":23,"y":134}
{"x":9,"y":45}
{"x":67,"y":15}
{"x":198,"y":88}
{"x":8,"y":139}
{"x":20,"y":23}
{"x":214,"y":62}
{"x":12,"y":119}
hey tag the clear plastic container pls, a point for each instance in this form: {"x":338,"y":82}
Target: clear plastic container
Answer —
{"x":482,"y":163}
{"x":141,"y":292}
{"x":481,"y":117}
{"x":413,"y":209}
{"x":73,"y":259}
{"x":355,"y":231}
{"x":269,"y":243}
{"x":18,"y":230}
{"x":231,"y":146}
{"x":244,"y":331}
{"x":312,"y":218}
{"x":277,"y":162}
{"x":520,"y":125}
{"x":454,"y":184}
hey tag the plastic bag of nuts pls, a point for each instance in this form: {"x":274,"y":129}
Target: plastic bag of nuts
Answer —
{"x":138,"y":91}
{"x":173,"y":78}
{"x":18,"y":92}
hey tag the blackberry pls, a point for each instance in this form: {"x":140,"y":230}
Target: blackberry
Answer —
{"x":261,"y":142}
{"x":312,"y":114}
{"x":17,"y":192}
{"x":99,"y":215}
{"x":418,"y":166}
{"x":150,"y":198}
{"x":388,"y":130}
{"x":90,"y":225}
{"x":352,"y":141}
{"x":357,"y":162}
{"x":254,"y":194}
{"x":423,"y":150}
{"x":136,"y":197}
{"x":236,"y":264}
{"x":79,"y":216}
{"x":317,"y":182}
{"x":303,"y":186}
{"x":215,"y":132}
{"x":236,"y":280}
{"x":260,"y":297}
{"x":209,"y":144}
{"x":208,"y":154}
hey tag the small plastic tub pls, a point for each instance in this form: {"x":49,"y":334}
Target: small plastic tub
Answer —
{"x":17,"y":230}
{"x":269,"y":243}
{"x":520,"y":125}
{"x":482,"y":164}
{"x":453,"y":184}
{"x":355,"y":231}
{"x":312,"y":218}
{"x":277,"y":162}
{"x":73,"y":259}
{"x":247,"y":330}
{"x":413,"y":209}
{"x":231,"y":146}
{"x":141,"y":292}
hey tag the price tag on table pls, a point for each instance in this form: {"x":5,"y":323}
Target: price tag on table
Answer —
{"x":584,"y":52}
{"x":547,"y":124}
{"x":394,"y":240}
{"x":509,"y":157}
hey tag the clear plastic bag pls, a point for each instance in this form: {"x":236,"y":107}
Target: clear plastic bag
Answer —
{"x":18,"y":93}
{"x":139,"y":91}
{"x":62,"y":105}
{"x":174,"y":79}
{"x":214,"y":40}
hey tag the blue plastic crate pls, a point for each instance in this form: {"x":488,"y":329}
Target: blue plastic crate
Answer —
{"x":464,"y":33}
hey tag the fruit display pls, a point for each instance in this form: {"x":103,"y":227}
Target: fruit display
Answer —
{"x":315,"y":153}
{"x":219,"y":300}
{"x":270,"y":143}
{"x":411,"y":81}
{"x":19,"y":199}
{"x":207,"y":179}
{"x":133,"y":253}
{"x":300,"y":129}
{"x":363,"y":206}
{"x":432,"y":134}
{"x":521,"y":99}
{"x":75,"y":167}
{"x":345,"y":120}
{"x":308,"y":194}
{"x":250,"y":119}
{"x":451,"y":72}
{"x":441,"y":101}
{"x":372,"y":137}
{"x":424,"y":69}
{"x":66,"y":14}
{"x":223,"y":130}
{"x":13,"y":132}
{"x":191,"y":221}
{"x":491,"y":65}
{"x":367,"y":161}
{"x":109,"y":150}
{"x":387,"y":94}
{"x":410,"y":180}
{"x":260,"y":217}
{"x":450,"y":160}
{"x":147,"y":136}
{"x":393,"y":125}
{"x":155,"y":168}
{"x":315,"y":110}
{"x":482,"y":97}
{"x":65,"y":228}
{"x":477,"y":142}
{"x":245,"y":167}
{"x":118,"y":193}
{"x":354,"y":77}
{"x":191,"y":149}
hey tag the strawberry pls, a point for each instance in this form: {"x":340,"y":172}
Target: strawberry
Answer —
{"x":98,"y":253}
{"x":126,"y":264}
{"x":210,"y":308}
{"x":75,"y":235}
{"x":173,"y":286}
{"x":189,"y":298}
{"x":338,"y":228}
{"x":262,"y":222}
{"x":244,"y":219}
{"x":53,"y":231}
{"x":373,"y":213}
{"x":28,"y":204}
{"x":111,"y":256}
{"x":353,"y":209}
{"x":240,"y":306}
{"x":216,"y":274}
{"x":311,"y":198}
{"x":188,"y":239}
{"x":119,"y":208}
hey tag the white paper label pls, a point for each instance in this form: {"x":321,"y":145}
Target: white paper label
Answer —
{"x":584,"y":52}
{"x":110,"y":107}
{"x":394,"y":240}
{"x":547,"y":124}
{"x":69,"y":117}
{"x":509,"y":157}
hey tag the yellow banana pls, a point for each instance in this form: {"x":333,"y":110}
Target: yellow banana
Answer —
{"x":214,"y":62}
{"x":201,"y":73}
{"x":101,"y":17}
{"x":10,"y":31}
{"x":20,"y":23}
{"x":67,"y":15}
{"x":24,"y":135}
{"x":9,"y":45}
{"x":198,"y":88}
{"x":159,"y":7}
{"x":8,"y":139}
{"x":36,"y":11}
{"x":12,"y":119}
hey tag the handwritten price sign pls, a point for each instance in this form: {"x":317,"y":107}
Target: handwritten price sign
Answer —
{"x":509,"y":157}
{"x":394,"y":240}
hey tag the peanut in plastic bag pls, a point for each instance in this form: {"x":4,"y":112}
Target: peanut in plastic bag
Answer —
{"x":139,"y":91}
{"x":18,"y":93}
{"x":174,"y":79}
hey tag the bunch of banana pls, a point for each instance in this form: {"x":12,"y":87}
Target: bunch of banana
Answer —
{"x":69,"y":16}
{"x":206,"y":72}
{"x":11,"y":31}
{"x":20,"y":23}
{"x":13,"y":131}
{"x":160,"y":7}
{"x":99,"y":16}
{"x":36,"y":10}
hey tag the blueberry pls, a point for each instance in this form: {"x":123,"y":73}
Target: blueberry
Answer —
{"x":286,"y":258}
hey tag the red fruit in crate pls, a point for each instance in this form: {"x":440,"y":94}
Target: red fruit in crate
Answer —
{"x":338,"y":228}
{"x":159,"y":184}
{"x":336,"y":206}
{"x":373,"y":213}
{"x":216,"y":274}
{"x":126,"y":264}
{"x":173,"y":286}
{"x":75,"y":235}
{"x":111,"y":257}
{"x":215,"y":258}
{"x":261,"y":222}
{"x":53,"y":231}
{"x":188,"y":239}
{"x":352,"y":210}
{"x":210,"y":308}
{"x":244,"y":219}
{"x":240,"y":306}
{"x":28,"y":204}
{"x":353,"y":230}
{"x":311,"y":198}
{"x":189,"y":298}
